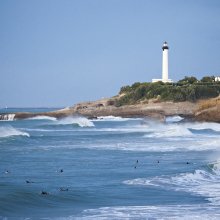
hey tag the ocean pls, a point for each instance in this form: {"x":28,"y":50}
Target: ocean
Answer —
{"x":109,"y":168}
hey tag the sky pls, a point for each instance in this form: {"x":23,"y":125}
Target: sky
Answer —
{"x":55,"y":53}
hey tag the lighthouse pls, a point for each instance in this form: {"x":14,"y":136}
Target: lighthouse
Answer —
{"x":165,"y":65}
{"x":165,"y":49}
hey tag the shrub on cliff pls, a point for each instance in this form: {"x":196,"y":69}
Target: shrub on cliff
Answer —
{"x":187,"y":89}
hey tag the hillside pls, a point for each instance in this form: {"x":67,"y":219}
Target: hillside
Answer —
{"x":188,"y":89}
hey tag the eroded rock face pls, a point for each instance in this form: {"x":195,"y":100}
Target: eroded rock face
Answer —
{"x":210,"y":114}
{"x":208,"y":110}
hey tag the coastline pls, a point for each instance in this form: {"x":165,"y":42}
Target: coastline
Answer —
{"x":152,"y":109}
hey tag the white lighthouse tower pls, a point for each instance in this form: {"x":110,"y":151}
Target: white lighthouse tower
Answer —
{"x":165,"y":65}
{"x":165,"y":49}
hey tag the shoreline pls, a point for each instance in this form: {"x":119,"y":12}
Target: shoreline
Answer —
{"x":152,"y":109}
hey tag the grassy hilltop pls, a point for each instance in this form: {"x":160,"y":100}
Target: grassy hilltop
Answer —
{"x":187,"y":89}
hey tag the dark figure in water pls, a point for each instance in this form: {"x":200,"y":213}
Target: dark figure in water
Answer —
{"x":135,"y":166}
{"x":44,"y":193}
{"x":187,"y":163}
{"x":158,"y":161}
{"x":6,"y":172}
{"x":27,"y":181}
{"x":61,"y":170}
{"x":63,"y":189}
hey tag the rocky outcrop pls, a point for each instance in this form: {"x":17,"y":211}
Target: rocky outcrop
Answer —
{"x":208,"y":110}
{"x":154,"y":110}
{"x":106,"y":107}
{"x":204,"y":110}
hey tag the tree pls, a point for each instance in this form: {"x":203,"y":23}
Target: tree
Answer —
{"x":188,"y":80}
{"x":208,"y":79}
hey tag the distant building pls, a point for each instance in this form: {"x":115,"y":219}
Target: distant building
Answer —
{"x":217,"y":78}
{"x":165,"y":77}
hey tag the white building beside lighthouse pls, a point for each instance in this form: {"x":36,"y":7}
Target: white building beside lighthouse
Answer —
{"x":165,"y":65}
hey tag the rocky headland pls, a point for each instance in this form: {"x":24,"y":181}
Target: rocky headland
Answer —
{"x":203,"y":110}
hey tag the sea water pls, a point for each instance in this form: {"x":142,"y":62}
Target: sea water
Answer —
{"x":109,"y":168}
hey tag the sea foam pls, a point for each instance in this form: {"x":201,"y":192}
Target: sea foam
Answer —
{"x":166,"y":212}
{"x":200,"y":182}
{"x":43,"y":117}
{"x":113,"y":118}
{"x":7,"y":117}
{"x":10,"y":131}
{"x":78,"y":120}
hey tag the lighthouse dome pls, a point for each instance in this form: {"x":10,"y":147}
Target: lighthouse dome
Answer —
{"x":165,"y":46}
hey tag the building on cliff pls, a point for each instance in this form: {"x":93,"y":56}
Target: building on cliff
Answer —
{"x":165,"y":77}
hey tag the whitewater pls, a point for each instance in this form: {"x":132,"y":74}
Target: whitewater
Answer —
{"x":108,"y":168}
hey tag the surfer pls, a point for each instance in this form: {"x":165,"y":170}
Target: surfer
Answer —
{"x":27,"y":181}
{"x":44,"y":193}
{"x":6,"y":172}
{"x":60,"y":171}
{"x":135,"y":166}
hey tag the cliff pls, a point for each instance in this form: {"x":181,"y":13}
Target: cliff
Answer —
{"x":208,"y":110}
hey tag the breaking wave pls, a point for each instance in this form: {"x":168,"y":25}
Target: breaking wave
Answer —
{"x":7,"y":117}
{"x":175,"y":118}
{"x":43,"y":118}
{"x":113,"y":118}
{"x":80,"y":121}
{"x":169,"y":130}
{"x":10,"y":131}
{"x":166,"y":212}
{"x":200,"y":182}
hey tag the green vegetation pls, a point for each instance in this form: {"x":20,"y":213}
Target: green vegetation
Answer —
{"x":187,"y":89}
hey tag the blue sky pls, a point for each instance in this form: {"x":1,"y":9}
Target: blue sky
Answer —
{"x":57,"y":53}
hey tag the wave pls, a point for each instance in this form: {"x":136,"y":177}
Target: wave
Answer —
{"x":159,"y":130}
{"x":7,"y":117}
{"x":175,"y":118}
{"x":169,"y":130}
{"x":80,"y":121}
{"x":43,"y":117}
{"x":166,"y":212}
{"x":204,"y":126}
{"x":200,"y":182}
{"x":113,"y":118}
{"x":10,"y":131}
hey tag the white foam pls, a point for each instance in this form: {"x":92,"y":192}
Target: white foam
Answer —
{"x":175,"y":118}
{"x":166,"y":212}
{"x":7,"y":117}
{"x":10,"y":131}
{"x":43,"y":117}
{"x":169,"y":130}
{"x":81,"y":121}
{"x":113,"y":118}
{"x":204,"y":125}
{"x":200,"y":182}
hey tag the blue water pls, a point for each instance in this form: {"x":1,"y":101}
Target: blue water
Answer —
{"x":113,"y":168}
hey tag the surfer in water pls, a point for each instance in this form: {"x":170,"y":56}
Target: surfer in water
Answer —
{"x":135,"y":166}
{"x":44,"y":193}
{"x":27,"y":181}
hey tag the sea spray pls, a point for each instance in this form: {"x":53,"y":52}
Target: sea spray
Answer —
{"x":7,"y":117}
{"x":8,"y":131}
{"x":43,"y":117}
{"x":78,"y":120}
